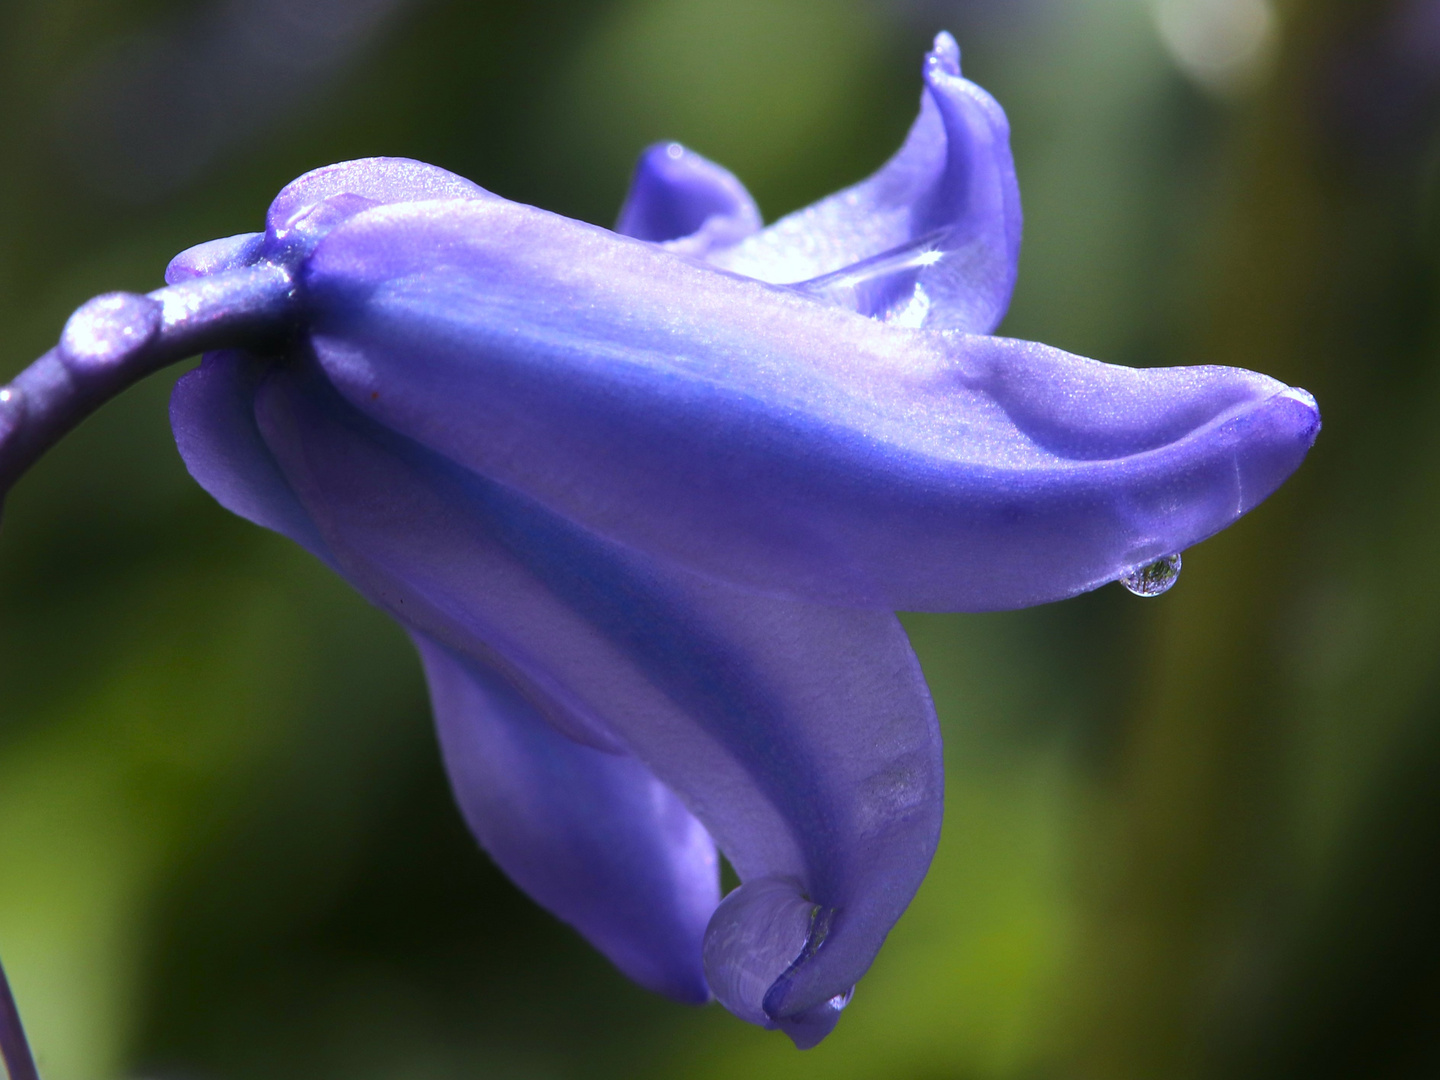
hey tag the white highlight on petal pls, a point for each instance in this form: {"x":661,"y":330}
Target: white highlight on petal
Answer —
{"x":1222,"y":45}
{"x":913,"y":314}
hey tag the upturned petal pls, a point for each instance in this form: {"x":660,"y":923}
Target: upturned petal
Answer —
{"x":801,"y":736}
{"x":759,"y":436}
{"x":932,"y":239}
{"x":678,"y":197}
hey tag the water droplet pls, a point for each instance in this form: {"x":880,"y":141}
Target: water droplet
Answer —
{"x":107,"y":330}
{"x":12,"y":408}
{"x":1153,"y":578}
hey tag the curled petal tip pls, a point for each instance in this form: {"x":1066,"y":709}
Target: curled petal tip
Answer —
{"x":1293,"y":419}
{"x":757,"y":934}
{"x":760,"y":936}
{"x":948,"y":193}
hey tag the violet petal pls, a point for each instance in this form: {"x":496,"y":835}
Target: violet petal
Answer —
{"x":382,"y":180}
{"x":944,"y":213}
{"x":593,"y":837}
{"x":758,"y":436}
{"x":801,"y":736}
{"x":212,"y":413}
{"x":679,"y":197}
{"x":589,"y":834}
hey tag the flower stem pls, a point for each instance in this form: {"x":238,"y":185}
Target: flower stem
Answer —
{"x":14,"y":1050}
{"x":117,"y":339}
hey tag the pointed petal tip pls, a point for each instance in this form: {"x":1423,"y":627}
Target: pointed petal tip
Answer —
{"x":949,"y":87}
{"x":809,"y":1029}
{"x":1287,"y":423}
{"x":676,"y":194}
{"x":693,"y":992}
{"x":951,"y":186}
{"x":944,"y":53}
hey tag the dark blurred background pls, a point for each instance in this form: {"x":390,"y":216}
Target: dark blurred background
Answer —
{"x":1197,"y":836}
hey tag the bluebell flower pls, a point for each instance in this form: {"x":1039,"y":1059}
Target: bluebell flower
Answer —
{"x":647,"y":500}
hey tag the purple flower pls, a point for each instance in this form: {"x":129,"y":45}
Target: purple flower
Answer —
{"x":646,"y":503}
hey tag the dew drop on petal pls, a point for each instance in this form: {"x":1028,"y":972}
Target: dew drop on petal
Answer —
{"x":1153,"y":578}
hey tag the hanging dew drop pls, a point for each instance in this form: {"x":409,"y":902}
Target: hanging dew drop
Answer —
{"x":1153,"y":578}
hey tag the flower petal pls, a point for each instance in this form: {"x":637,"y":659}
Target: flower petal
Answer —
{"x":763,"y":438}
{"x":938,"y":228}
{"x":212,"y":413}
{"x":593,"y":837}
{"x":802,"y":736}
{"x":215,"y":257}
{"x":590,"y":835}
{"x":680,"y":197}
{"x":380,"y":180}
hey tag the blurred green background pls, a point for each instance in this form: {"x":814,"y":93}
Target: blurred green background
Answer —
{"x":1197,"y":836}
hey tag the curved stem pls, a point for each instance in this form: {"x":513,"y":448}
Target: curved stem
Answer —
{"x":117,"y":339}
{"x":14,"y":1050}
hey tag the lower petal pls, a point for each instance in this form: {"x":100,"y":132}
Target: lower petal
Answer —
{"x":802,"y":736}
{"x":212,"y":413}
{"x":590,"y":836}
